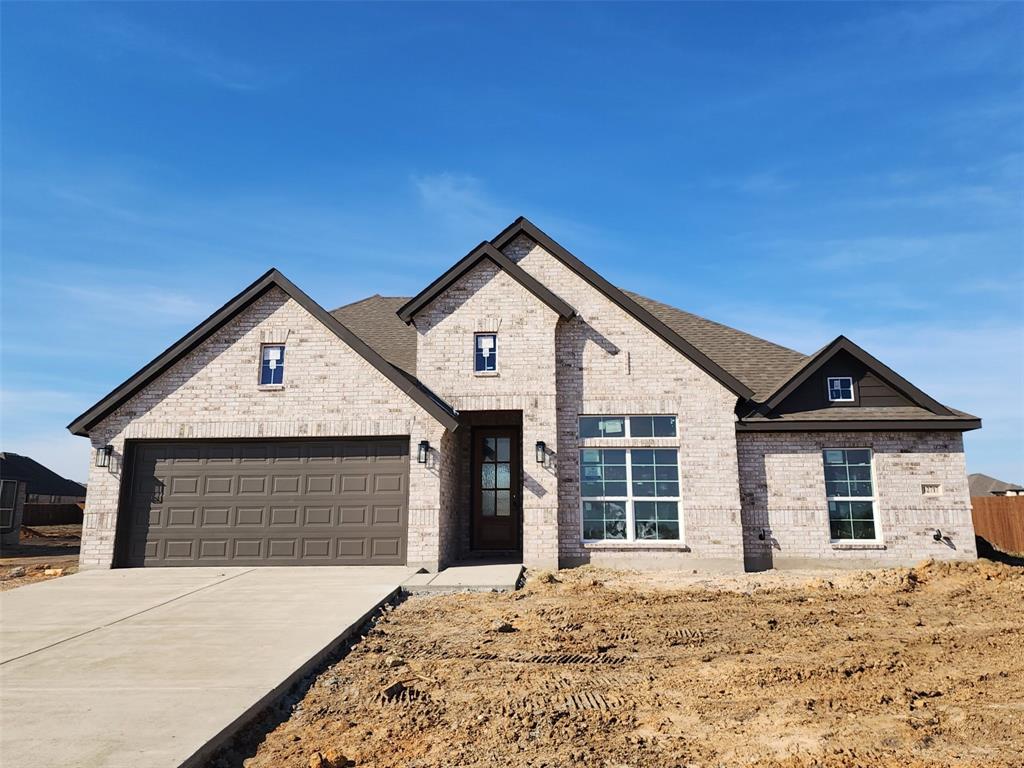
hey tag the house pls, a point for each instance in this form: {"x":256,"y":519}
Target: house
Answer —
{"x":984,"y":485}
{"x":519,"y":406}
{"x":34,"y":495}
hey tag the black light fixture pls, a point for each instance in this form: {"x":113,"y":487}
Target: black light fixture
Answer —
{"x":937,"y":535}
{"x":421,"y":454}
{"x":103,"y":456}
{"x":542,"y":451}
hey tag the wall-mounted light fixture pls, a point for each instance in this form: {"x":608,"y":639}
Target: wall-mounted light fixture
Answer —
{"x":103,"y":456}
{"x":542,"y":451}
{"x":937,"y":535}
{"x":421,"y":454}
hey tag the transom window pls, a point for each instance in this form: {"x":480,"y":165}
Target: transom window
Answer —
{"x":840,"y":389}
{"x":851,"y":495}
{"x":486,"y":355}
{"x":627,"y":426}
{"x":630,"y":494}
{"x":272,"y":364}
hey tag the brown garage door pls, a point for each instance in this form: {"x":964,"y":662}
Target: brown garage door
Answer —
{"x":281,"y":502}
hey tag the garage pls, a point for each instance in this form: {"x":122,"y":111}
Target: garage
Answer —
{"x":271,"y":502}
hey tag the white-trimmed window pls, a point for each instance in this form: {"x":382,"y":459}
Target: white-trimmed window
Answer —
{"x":627,"y":426}
{"x":629,"y":493}
{"x":8,"y":498}
{"x":272,"y":365}
{"x":840,"y":389}
{"x":485,"y":355}
{"x":850,"y":490}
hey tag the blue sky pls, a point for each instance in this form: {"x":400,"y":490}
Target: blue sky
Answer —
{"x":797,"y":171}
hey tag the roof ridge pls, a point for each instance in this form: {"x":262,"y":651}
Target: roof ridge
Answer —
{"x":714,"y":322}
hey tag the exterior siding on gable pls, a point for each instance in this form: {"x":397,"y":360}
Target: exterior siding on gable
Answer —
{"x":608,"y":363}
{"x":783,"y":491}
{"x":329,"y":391}
{"x":870,"y":390}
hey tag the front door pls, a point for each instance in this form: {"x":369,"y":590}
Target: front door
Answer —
{"x":496,"y":488}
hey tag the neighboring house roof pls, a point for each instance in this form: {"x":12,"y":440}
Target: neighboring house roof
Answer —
{"x":985,"y":485}
{"x":37,"y":478}
{"x":484,"y":251}
{"x":430,"y":402}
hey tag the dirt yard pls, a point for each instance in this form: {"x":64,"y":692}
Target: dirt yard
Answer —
{"x":899,"y":668}
{"x":42,"y":548}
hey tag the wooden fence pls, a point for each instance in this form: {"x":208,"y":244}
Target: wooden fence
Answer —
{"x":1000,"y":521}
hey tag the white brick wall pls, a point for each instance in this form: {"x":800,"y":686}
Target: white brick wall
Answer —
{"x":330,"y":391}
{"x":783,"y":489}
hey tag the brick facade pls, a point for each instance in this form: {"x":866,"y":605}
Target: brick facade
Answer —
{"x":782,"y":486}
{"x":550,"y":371}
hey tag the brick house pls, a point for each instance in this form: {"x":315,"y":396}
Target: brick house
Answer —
{"x":520,"y":406}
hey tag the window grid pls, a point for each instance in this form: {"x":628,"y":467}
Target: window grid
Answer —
{"x":859,"y":512}
{"x":485,"y":342}
{"x":840,"y":389}
{"x":627,"y":501}
{"x":271,"y":365}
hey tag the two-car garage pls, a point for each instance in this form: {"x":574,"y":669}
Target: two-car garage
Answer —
{"x":266,"y":502}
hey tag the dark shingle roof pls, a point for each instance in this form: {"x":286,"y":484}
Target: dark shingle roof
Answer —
{"x":863,"y":413}
{"x":38,"y":478}
{"x":985,"y":485}
{"x":758,"y":363}
{"x":375,"y":320}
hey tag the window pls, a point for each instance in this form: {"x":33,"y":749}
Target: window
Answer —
{"x":632,"y":426}
{"x":272,"y":365}
{"x":630,"y":494}
{"x":486,"y":357}
{"x":8,"y":497}
{"x":851,"y":495}
{"x":840,"y":389}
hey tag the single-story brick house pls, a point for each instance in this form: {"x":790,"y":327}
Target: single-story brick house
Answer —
{"x":520,"y":406}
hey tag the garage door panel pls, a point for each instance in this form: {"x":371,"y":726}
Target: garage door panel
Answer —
{"x":267,"y":503}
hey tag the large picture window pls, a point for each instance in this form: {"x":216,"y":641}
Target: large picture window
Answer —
{"x":850,"y":491}
{"x":630,"y":494}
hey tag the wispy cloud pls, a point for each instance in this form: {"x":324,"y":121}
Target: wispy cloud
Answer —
{"x":461,"y":201}
{"x":202,"y":62}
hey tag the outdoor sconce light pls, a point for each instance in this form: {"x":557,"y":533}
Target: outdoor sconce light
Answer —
{"x":937,"y":535}
{"x":542,"y":449}
{"x":763,"y":534}
{"x":421,"y":454}
{"x":103,"y":456}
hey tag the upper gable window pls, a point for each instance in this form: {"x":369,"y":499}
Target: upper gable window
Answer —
{"x":840,"y":389}
{"x":486,"y":353}
{"x":272,"y":365}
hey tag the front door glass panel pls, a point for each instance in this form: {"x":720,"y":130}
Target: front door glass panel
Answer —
{"x":496,"y":477}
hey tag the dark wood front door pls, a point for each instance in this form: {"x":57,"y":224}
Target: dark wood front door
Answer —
{"x":496,"y":488}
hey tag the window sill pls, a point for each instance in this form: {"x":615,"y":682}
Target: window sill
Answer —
{"x":865,"y":545}
{"x":633,"y":546}
{"x":486,"y":374}
{"x":269,"y":387}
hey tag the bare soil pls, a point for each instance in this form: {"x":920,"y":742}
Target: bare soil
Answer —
{"x":893,"y":669}
{"x":40,"y":548}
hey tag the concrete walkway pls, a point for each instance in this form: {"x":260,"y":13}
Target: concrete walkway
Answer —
{"x":143,"y":668}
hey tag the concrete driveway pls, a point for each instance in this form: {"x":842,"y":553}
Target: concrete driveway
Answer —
{"x":139,"y":668}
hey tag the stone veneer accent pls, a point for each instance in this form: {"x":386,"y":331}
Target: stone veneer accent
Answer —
{"x":329,"y":391}
{"x":782,"y":486}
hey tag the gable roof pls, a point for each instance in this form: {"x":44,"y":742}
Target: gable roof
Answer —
{"x":37,"y":478}
{"x":842,"y":344}
{"x":484,"y":251}
{"x":427,"y":400}
{"x":758,"y":363}
{"x":644,"y":316}
{"x":986,"y":485}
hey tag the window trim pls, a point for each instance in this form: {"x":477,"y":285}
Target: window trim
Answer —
{"x":484,"y":371}
{"x":259,"y":371}
{"x":629,"y":500}
{"x":828,"y":389}
{"x":875,"y":514}
{"x":627,"y":432}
